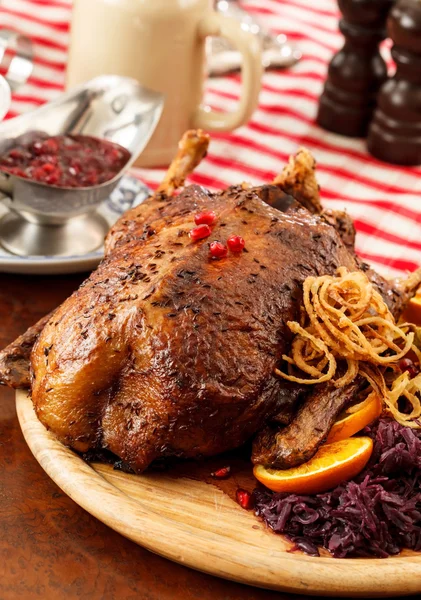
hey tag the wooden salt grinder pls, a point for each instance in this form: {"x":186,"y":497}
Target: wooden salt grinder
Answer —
{"x":395,"y":133}
{"x":357,"y":71}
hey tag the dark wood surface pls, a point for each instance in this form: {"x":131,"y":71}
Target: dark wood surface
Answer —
{"x":50,"y":548}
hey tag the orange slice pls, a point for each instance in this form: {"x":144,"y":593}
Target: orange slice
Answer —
{"x":330,"y":466}
{"x":412,"y":312}
{"x":353,"y":422}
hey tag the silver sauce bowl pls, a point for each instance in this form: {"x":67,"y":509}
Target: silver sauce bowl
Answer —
{"x":42,"y":218}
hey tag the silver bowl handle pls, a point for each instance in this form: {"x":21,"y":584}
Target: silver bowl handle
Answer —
{"x":20,"y":67}
{"x":5,"y":97}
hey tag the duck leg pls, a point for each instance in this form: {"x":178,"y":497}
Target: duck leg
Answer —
{"x":191,"y":150}
{"x":299,"y":441}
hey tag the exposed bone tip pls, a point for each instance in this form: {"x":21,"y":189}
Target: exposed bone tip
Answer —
{"x":194,"y":134}
{"x":192,"y":149}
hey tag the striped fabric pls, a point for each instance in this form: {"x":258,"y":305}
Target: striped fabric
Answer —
{"x":384,"y":200}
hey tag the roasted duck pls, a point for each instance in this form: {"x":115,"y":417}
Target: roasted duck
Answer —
{"x":164,"y":351}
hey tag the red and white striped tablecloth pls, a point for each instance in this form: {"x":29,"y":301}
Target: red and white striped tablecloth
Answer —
{"x":384,"y":200}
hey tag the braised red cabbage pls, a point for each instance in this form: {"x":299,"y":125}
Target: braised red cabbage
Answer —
{"x":377,"y":514}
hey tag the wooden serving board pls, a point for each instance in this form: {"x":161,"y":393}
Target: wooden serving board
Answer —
{"x":197,"y":525}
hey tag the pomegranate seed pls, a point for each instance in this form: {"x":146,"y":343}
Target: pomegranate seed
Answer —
{"x":222,"y":473}
{"x":75,"y":165}
{"x":38,"y":174}
{"x":205,"y":218}
{"x":52,"y":179}
{"x":73,"y":161}
{"x":15,"y":153}
{"x":50,"y":145}
{"x":244,"y":499}
{"x":37,"y":147}
{"x":200,"y":232}
{"x":236,"y":243}
{"x":48,"y":168}
{"x":91,"y":179}
{"x":16,"y":171}
{"x":49,"y":158}
{"x":218,"y":250}
{"x":406,"y":364}
{"x":115,"y":154}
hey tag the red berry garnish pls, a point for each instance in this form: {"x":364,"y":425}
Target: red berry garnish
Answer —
{"x":71,"y":161}
{"x":115,"y":154}
{"x":17,"y":171}
{"x":218,"y":250}
{"x":37,"y":148}
{"x":244,"y":499}
{"x":16,"y":153}
{"x":38,"y":174}
{"x":52,"y":179}
{"x":205,"y":218}
{"x":200,"y":232}
{"x":406,"y":364}
{"x":222,"y":473}
{"x":236,"y":243}
{"x":91,"y":179}
{"x":48,"y":168}
{"x":50,"y":145}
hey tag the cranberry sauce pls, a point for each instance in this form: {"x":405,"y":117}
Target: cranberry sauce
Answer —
{"x":66,"y":160}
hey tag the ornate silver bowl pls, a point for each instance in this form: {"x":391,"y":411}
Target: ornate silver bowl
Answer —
{"x":41,"y":217}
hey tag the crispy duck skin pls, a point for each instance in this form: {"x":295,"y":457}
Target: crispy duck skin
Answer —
{"x":164,"y":351}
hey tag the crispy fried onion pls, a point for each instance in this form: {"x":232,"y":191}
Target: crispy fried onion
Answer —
{"x":346,"y":329}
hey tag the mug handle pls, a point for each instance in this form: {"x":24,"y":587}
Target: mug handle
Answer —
{"x":249,"y":46}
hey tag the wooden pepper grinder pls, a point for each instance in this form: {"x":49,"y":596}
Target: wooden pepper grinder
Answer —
{"x":395,"y":133}
{"x":357,"y":71}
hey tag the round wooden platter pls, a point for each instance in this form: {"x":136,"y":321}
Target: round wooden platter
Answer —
{"x":199,"y":526}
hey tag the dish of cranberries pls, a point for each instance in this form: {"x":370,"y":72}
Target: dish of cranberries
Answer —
{"x":74,"y":161}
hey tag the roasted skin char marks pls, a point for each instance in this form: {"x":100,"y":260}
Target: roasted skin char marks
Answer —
{"x":167,"y":351}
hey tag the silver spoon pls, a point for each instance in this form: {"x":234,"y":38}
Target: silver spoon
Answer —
{"x":278,"y":53}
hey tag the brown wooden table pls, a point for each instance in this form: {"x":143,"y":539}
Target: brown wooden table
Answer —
{"x":50,"y":548}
